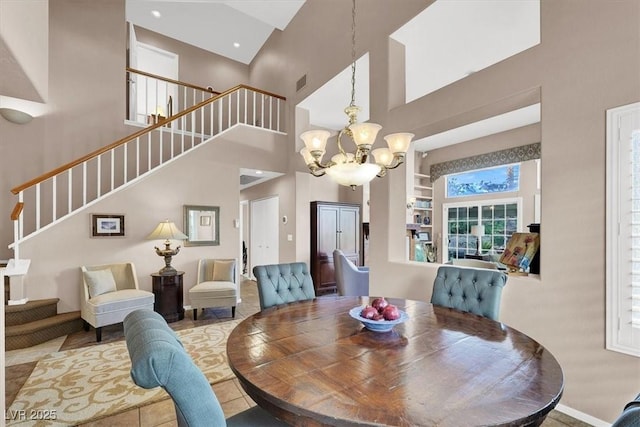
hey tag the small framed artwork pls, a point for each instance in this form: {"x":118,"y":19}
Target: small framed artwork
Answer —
{"x":205,"y":221}
{"x":107,"y":225}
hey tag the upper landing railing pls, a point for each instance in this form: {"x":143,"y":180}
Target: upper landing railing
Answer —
{"x":53,"y":196}
{"x":153,"y":98}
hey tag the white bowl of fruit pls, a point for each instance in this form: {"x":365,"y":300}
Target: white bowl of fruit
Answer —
{"x":380,"y":316}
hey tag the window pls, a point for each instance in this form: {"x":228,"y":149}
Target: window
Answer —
{"x":500,"y":218}
{"x":499,"y":179}
{"x":623,"y":229}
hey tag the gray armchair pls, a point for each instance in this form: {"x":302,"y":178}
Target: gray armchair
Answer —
{"x":283,"y":283}
{"x":473,"y":290}
{"x":351,"y":280}
{"x":158,"y":359}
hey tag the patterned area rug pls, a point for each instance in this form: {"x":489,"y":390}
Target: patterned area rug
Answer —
{"x":76,"y":386}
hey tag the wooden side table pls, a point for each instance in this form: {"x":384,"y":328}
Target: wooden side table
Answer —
{"x":168,"y":296}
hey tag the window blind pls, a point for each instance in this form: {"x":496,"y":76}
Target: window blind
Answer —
{"x":623,"y":229}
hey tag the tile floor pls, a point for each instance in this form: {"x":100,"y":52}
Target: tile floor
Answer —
{"x":20,"y":364}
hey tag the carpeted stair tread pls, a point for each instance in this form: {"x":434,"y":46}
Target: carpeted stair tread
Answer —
{"x":30,"y":312}
{"x":42,"y":330}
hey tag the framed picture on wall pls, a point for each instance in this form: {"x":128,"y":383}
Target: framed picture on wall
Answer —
{"x":103,"y":225}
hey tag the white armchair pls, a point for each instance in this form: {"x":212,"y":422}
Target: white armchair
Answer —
{"x":109,"y":293}
{"x":216,"y":286}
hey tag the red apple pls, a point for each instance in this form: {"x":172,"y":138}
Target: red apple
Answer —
{"x":391,"y":312}
{"x":379,"y":304}
{"x":368,"y":312}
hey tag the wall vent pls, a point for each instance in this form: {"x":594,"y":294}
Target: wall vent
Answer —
{"x":302,"y":82}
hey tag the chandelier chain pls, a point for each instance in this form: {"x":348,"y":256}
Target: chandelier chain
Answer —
{"x":353,"y":54}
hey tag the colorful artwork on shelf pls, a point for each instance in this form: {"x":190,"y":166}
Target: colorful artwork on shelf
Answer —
{"x":519,"y":251}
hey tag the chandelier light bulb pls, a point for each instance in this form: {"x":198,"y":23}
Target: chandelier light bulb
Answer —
{"x":383,"y":156}
{"x":306,"y":155}
{"x":364,"y":134}
{"x":315,"y":140}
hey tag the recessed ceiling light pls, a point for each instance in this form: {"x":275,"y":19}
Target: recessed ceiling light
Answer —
{"x":236,"y":44}
{"x":156,"y":13}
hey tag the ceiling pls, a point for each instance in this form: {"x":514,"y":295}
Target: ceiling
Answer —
{"x":480,"y":33}
{"x":215,"y":25}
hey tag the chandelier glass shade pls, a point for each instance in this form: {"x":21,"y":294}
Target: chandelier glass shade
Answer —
{"x":354,"y":169}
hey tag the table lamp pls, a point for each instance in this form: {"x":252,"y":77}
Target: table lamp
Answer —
{"x":168,"y":231}
{"x":478,"y":231}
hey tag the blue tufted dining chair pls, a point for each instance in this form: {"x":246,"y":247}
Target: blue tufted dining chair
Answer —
{"x":630,"y":416}
{"x":283,"y":283}
{"x":473,"y":290}
{"x":158,"y":359}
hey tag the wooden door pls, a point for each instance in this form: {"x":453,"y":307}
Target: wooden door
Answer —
{"x":333,"y":226}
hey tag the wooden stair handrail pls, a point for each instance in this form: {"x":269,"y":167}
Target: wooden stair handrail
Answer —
{"x":135,"y":135}
{"x":17,"y":210}
{"x":177,"y":82}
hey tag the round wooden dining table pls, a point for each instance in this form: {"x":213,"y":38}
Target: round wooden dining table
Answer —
{"x":310,"y":363}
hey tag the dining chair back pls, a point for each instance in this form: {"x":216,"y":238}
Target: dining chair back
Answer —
{"x":351,"y":280}
{"x":283,"y":283}
{"x":158,"y":359}
{"x":475,"y":263}
{"x":630,"y":416}
{"x":473,"y":290}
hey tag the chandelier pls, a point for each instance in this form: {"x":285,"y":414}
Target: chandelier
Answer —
{"x":354,"y":169}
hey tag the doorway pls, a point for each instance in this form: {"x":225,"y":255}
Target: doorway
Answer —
{"x":264,"y":245}
{"x":152,"y":99}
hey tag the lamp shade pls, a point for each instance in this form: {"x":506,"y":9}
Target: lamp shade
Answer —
{"x":166,"y":230}
{"x":315,"y":140}
{"x":15,"y":116}
{"x":364,"y":134}
{"x":383,"y":156}
{"x":353,"y":174}
{"x":477,"y":230}
{"x":306,"y":155}
{"x":399,"y":142}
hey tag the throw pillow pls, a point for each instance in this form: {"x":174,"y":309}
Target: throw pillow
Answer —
{"x":99,"y":282}
{"x":223,"y":270}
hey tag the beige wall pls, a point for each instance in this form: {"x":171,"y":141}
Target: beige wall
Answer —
{"x":198,"y":66}
{"x":58,"y":253}
{"x":587,"y":62}
{"x":85,"y":99}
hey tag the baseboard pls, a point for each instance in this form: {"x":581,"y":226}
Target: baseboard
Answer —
{"x":586,"y":418}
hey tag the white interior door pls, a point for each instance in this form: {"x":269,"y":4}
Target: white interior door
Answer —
{"x":133,"y":78}
{"x":153,"y":95}
{"x":264,"y":218}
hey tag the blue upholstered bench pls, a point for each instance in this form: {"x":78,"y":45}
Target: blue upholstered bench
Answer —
{"x":158,"y":359}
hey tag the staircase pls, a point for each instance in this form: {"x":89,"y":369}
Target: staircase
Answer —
{"x":52,"y":197}
{"x":36,"y":322}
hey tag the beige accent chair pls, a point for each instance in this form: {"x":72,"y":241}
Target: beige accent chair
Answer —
{"x":215,"y":286}
{"x":109,"y":293}
{"x":475,"y":263}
